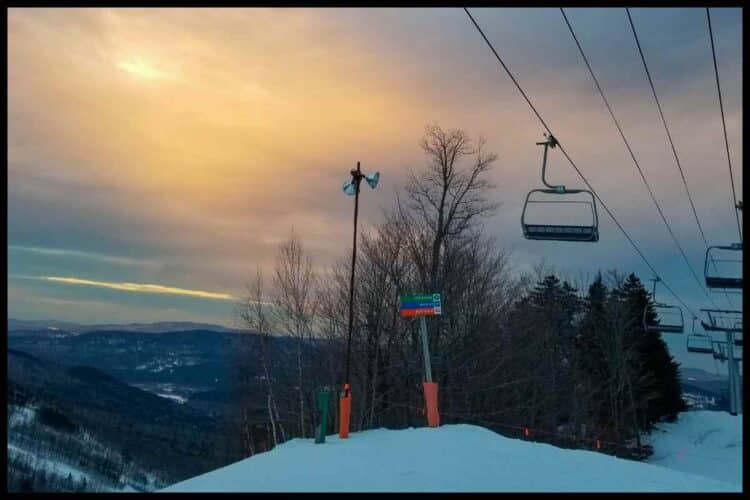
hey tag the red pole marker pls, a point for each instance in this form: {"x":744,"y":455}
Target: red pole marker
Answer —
{"x":598,"y":445}
{"x":431,"y":400}
{"x":526,"y":431}
{"x":345,"y":409}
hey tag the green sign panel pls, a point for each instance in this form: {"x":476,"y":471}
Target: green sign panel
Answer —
{"x":421,"y":304}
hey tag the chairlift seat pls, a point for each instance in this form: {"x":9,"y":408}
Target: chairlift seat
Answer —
{"x":665,"y":328}
{"x":560,"y":232}
{"x":723,"y":282}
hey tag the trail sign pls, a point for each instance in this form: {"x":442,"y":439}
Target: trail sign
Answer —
{"x":422,"y":304}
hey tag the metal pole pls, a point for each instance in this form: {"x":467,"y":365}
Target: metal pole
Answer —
{"x":736,"y":406}
{"x":738,"y":385}
{"x":732,"y":374}
{"x":425,"y":349}
{"x":357,"y":176}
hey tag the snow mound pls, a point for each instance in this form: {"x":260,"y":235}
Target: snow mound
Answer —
{"x":449,"y":458}
{"x":706,"y":443}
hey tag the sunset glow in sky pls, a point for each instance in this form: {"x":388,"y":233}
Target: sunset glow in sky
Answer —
{"x":155,"y":156}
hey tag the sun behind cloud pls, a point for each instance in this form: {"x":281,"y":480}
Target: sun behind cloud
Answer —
{"x":141,"y":68}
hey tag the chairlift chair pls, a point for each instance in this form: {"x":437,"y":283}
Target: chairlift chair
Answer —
{"x":674,"y":325}
{"x":720,"y":351}
{"x":559,"y":232}
{"x":697,"y":342}
{"x":716,"y":280}
{"x":722,"y":320}
{"x":672,"y":314}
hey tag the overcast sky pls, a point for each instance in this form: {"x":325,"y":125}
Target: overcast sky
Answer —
{"x":156,"y":156}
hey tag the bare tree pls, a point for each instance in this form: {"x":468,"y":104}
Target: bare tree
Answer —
{"x":446,"y":197}
{"x":253,"y":314}
{"x":295,"y":305}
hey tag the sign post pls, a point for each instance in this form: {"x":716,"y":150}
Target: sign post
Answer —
{"x":424,"y":305}
{"x":425,"y":349}
{"x":320,"y":432}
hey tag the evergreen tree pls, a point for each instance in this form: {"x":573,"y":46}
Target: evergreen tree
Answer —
{"x":592,"y":368}
{"x":553,"y":308}
{"x":659,"y":391}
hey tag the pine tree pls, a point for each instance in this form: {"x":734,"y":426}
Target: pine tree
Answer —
{"x":659,"y":391}
{"x":553,"y":307}
{"x":593,"y":372}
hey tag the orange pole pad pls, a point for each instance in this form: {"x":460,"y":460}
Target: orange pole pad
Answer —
{"x":345,"y":409}
{"x":431,"y":402}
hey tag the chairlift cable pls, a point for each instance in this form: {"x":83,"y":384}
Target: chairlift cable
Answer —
{"x":635,"y":161}
{"x":572,"y":163}
{"x":666,"y":128}
{"x":671,"y":142}
{"x":723,"y":122}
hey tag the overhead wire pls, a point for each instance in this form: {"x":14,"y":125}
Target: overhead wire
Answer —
{"x":635,"y":161}
{"x":572,"y":163}
{"x":669,"y":137}
{"x":723,"y":123}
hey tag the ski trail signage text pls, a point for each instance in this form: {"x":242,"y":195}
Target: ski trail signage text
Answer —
{"x":424,"y":304}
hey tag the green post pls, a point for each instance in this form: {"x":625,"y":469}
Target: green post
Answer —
{"x":320,"y":432}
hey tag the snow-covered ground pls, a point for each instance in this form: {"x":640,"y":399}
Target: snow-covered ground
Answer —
{"x":706,"y":443}
{"x":449,"y":458}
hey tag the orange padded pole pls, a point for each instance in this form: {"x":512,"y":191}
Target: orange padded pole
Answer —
{"x":345,"y":409}
{"x":431,"y":401}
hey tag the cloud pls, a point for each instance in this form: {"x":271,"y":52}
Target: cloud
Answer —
{"x":136,"y":287}
{"x":110,"y":259}
{"x":203,"y":173}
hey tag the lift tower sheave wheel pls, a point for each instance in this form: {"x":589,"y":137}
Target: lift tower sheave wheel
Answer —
{"x":559,"y":231}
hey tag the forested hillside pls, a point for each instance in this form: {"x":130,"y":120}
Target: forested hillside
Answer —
{"x":106,"y":435}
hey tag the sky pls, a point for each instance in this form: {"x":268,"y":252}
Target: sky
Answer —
{"x":157,"y":156}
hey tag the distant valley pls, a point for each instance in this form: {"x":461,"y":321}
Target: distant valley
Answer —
{"x":121,"y":409}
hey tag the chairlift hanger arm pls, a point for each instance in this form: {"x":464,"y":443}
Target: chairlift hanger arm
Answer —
{"x":551,"y":142}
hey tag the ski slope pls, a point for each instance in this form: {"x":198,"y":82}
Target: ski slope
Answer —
{"x":706,"y":443}
{"x":450,"y":458}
